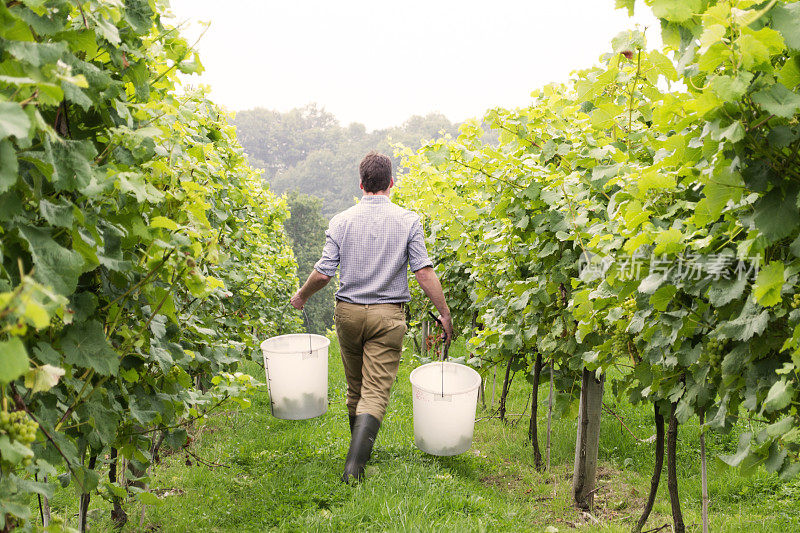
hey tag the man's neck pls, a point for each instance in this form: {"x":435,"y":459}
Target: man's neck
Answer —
{"x":379,"y":193}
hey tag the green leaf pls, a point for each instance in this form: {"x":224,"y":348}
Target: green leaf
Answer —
{"x":57,"y":214}
{"x":36,"y":54}
{"x":662,"y":297}
{"x":85,"y":345}
{"x":13,"y":451}
{"x":14,"y":360}
{"x":786,"y":19}
{"x":13,"y":121}
{"x":439,"y":156}
{"x":776,"y":214}
{"x":767,"y":289}
{"x":724,"y":291}
{"x":148,"y":498}
{"x":731,"y":88}
{"x":663,"y":65}
{"x":55,"y":265}
{"x":8,"y":165}
{"x":746,"y":325}
{"x":72,"y":163}
{"x":43,"y":378}
{"x":676,"y":10}
{"x":625,"y":4}
{"x":789,"y":74}
{"x":668,"y":242}
{"x":138,"y":15}
{"x":778,"y":100}
{"x":163,"y":222}
{"x":741,"y":453}
{"x":779,"y":396}
{"x":603,"y":115}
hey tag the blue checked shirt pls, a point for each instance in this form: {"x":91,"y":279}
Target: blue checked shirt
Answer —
{"x":373,"y":243}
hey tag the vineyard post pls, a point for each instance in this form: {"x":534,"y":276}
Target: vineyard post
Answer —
{"x":587,"y":441}
{"x":659,"y":465}
{"x":85,"y":497}
{"x":672,"y":472}
{"x":703,"y":471}
{"x":533,"y":430}
{"x":494,"y":381}
{"x":504,"y":394}
{"x":549,"y":415}
{"x":45,"y":507}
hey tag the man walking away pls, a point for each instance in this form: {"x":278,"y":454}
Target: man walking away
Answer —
{"x":372,"y":244}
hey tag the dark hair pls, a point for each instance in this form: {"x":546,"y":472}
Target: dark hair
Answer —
{"x":376,"y":172}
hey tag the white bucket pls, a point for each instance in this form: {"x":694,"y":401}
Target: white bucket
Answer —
{"x":445,"y":398}
{"x":297,"y":375}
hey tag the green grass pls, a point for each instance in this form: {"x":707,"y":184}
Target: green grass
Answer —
{"x":284,"y":475}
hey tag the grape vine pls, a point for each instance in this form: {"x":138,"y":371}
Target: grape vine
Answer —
{"x":141,"y":258}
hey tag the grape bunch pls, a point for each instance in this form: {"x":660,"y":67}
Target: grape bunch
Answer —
{"x":619,"y":344}
{"x":714,"y":350}
{"x":629,"y":306}
{"x":18,"y":427}
{"x":796,"y":301}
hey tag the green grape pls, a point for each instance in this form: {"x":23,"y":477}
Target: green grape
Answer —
{"x":18,"y":426}
{"x":714,"y":350}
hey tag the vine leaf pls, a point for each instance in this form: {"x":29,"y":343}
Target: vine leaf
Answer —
{"x":778,"y":100}
{"x":776,"y":215}
{"x":779,"y":396}
{"x":71,"y":163}
{"x":15,"y":360}
{"x":8,"y":166}
{"x":13,"y":121}
{"x":767,"y":289}
{"x":55,"y":265}
{"x":786,"y":19}
{"x":85,"y":345}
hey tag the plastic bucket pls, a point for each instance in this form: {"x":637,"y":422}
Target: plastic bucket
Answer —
{"x":297,"y":375}
{"x":445,"y":399}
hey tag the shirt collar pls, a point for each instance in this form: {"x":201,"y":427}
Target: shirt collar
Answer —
{"x":375,"y":199}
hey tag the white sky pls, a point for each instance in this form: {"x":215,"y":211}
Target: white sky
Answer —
{"x":378,"y":63}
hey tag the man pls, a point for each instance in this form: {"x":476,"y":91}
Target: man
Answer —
{"x":372,"y":243}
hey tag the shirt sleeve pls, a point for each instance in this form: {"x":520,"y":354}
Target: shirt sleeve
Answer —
{"x":417,"y":253}
{"x":330,"y":255}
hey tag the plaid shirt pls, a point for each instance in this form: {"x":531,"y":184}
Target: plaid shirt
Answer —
{"x":373,"y":243}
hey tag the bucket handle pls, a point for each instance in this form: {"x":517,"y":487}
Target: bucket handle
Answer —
{"x":308,"y":332}
{"x":445,"y":348}
{"x":307,"y":325}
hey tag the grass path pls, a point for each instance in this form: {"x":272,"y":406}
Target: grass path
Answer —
{"x":284,"y":475}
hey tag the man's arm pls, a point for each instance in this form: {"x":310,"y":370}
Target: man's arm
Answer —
{"x":429,"y":282}
{"x":316,"y":280}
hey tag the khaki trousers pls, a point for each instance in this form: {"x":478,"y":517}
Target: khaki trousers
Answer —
{"x":371,"y":341}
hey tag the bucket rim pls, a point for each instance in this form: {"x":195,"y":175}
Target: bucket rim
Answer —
{"x":325,"y":344}
{"x":466,"y":390}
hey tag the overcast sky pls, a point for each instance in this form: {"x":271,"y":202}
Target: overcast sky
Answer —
{"x":378,"y":62}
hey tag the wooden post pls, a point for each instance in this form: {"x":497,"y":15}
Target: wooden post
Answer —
{"x":587,"y":441}
{"x":533,"y":429}
{"x":651,"y":498}
{"x":672,"y":473}
{"x":703,"y":471}
{"x":549,"y":416}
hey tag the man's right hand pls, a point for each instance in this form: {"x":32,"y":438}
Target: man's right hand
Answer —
{"x":447,"y":325}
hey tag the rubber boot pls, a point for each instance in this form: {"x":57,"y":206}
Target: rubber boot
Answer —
{"x":352,"y":422}
{"x":365,"y":430}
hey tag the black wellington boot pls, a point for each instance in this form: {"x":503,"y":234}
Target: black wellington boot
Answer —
{"x":365,"y":430}
{"x":352,"y":422}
